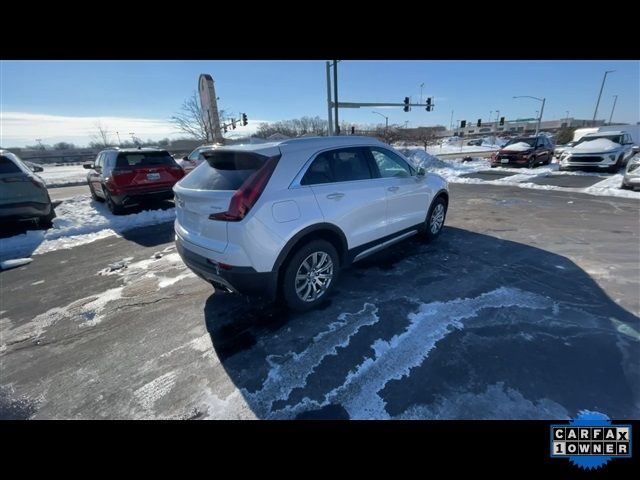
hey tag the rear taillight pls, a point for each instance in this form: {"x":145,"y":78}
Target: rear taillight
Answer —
{"x":246,"y":196}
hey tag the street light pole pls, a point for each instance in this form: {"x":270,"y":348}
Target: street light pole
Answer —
{"x":543,"y":100}
{"x":595,"y":112}
{"x":615,"y":99}
{"x":335,"y":95}
{"x":386,"y":122}
{"x":421,"y":85}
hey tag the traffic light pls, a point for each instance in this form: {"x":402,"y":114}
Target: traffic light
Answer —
{"x":463,"y":124}
{"x":501,"y":121}
{"x":406,"y":104}
{"x":225,"y":128}
{"x":353,"y":130}
{"x":233,"y":124}
{"x":479,"y":122}
{"x":429,"y":106}
{"x":244,"y":119}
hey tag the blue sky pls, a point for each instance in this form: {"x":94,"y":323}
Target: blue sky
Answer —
{"x":145,"y":94}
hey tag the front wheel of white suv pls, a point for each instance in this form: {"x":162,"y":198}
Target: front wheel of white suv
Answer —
{"x":310,"y":275}
{"x":435,"y":219}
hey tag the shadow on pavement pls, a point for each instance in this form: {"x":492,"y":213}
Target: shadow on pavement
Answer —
{"x":470,"y":326}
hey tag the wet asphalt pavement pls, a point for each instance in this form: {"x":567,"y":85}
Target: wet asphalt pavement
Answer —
{"x":526,"y":307}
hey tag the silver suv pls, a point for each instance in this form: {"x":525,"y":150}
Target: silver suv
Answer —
{"x":282,"y":218}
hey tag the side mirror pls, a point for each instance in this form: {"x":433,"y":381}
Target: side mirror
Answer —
{"x":87,"y":165}
{"x":185,"y":158}
{"x":36,"y":168}
{"x":421,"y":172}
{"x":636,"y":149}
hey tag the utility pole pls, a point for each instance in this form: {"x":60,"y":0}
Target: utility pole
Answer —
{"x":329,"y":116}
{"x":119,"y":142}
{"x":615,"y":99}
{"x":540,"y":117}
{"x":335,"y":95}
{"x":421,"y":85}
{"x":595,"y":112}
{"x":451,"y":122}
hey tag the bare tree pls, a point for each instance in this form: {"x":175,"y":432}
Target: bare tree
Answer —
{"x":101,"y":137}
{"x":293,"y":128}
{"x":64,"y":146}
{"x":190,"y":120}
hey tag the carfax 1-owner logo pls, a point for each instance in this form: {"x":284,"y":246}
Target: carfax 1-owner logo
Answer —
{"x":590,"y":440}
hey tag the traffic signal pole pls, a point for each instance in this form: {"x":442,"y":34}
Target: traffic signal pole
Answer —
{"x":329,"y":103}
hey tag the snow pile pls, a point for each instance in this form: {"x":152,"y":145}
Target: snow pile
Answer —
{"x":494,"y":142}
{"x":611,"y":187}
{"x":597,"y":145}
{"x":518,"y":147}
{"x":79,"y":220}
{"x":17,"y":262}
{"x":454,"y":171}
{"x":65,"y":175}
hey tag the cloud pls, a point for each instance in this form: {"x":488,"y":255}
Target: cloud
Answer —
{"x":20,"y":128}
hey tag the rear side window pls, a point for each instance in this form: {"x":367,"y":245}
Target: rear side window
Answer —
{"x":340,"y":165}
{"x":223,"y":170}
{"x":143,"y":159}
{"x":7,"y":166}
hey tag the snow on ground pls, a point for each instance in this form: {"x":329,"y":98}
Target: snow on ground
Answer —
{"x":79,"y":220}
{"x":453,"y":169}
{"x":65,"y":175}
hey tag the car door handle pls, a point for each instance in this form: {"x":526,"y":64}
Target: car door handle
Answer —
{"x":335,"y":196}
{"x":393,"y":189}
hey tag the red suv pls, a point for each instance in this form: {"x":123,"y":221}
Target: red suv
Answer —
{"x":125,"y":177}
{"x":524,"y":152}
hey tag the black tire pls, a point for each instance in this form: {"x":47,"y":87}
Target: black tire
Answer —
{"x":532,"y":163}
{"x":113,"y":206}
{"x":46,"y":222}
{"x":624,"y":186}
{"x":428,"y":232}
{"x":300,"y":262}
{"x":548,"y":160}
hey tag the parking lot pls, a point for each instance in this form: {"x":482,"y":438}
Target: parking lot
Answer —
{"x":526,"y":307}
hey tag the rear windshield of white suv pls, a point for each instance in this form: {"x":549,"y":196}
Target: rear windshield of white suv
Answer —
{"x":224,"y":170}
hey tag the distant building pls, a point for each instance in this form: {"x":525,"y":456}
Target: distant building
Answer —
{"x":520,"y":126}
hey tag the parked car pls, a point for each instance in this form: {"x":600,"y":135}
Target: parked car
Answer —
{"x":477,"y":142}
{"x":631,"y":179}
{"x":125,"y":177}
{"x":601,"y":150}
{"x":560,"y":149}
{"x":23,"y":194}
{"x":280,"y":219}
{"x":195,"y":158}
{"x":524,"y":152}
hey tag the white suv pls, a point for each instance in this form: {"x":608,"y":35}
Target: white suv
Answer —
{"x":280,"y":219}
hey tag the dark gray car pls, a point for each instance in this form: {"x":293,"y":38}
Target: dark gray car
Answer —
{"x":23,"y":194}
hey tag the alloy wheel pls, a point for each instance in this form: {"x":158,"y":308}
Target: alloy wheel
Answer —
{"x":314,"y":276}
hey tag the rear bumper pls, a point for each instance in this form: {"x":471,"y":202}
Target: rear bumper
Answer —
{"x":243,"y":280}
{"x":24,"y":210}
{"x":134,"y":197}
